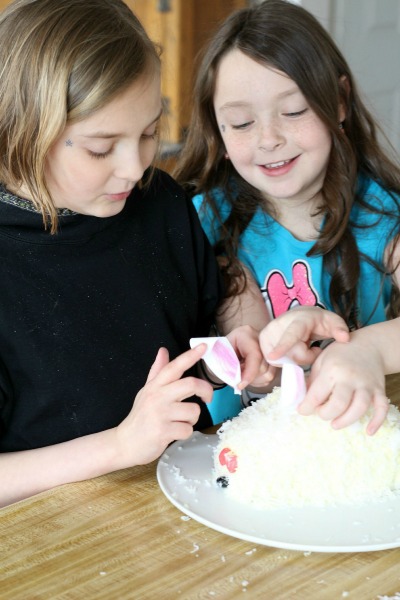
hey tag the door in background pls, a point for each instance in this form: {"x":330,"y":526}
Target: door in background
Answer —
{"x":180,"y":27}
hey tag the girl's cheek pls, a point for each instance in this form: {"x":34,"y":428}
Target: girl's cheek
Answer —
{"x":240,"y":149}
{"x":149,"y":154}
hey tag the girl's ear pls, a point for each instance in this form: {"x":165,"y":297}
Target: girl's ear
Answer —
{"x":344,"y":86}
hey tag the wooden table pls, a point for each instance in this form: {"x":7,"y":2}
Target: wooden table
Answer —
{"x":117,"y":537}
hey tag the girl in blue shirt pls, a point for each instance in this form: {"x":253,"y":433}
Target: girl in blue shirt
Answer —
{"x":288,"y":175}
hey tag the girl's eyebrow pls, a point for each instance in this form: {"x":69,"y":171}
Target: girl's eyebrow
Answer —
{"x":243,"y":104}
{"x":101,"y":134}
{"x":106,"y":135}
{"x":237,"y":104}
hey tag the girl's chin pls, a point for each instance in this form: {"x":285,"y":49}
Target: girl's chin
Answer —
{"x":109,"y":211}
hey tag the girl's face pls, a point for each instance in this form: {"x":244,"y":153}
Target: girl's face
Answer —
{"x":272,"y":137}
{"x":94,"y":165}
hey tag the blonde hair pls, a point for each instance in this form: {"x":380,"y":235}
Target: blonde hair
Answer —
{"x":61,"y":60}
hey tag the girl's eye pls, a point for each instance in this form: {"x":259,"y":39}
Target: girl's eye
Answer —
{"x":150,"y":136}
{"x":242,"y":125}
{"x":296,"y":114}
{"x":152,"y":133}
{"x":99,"y":154}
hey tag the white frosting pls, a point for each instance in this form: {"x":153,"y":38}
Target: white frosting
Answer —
{"x":285,"y":459}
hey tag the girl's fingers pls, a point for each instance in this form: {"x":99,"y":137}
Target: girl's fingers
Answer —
{"x":381,"y":407}
{"x":303,"y":355}
{"x":189,"y":386}
{"x":358,"y":402}
{"x":266,"y":374}
{"x":310,"y":323}
{"x":294,"y":333}
{"x":337,"y":403}
{"x":252,"y":367}
{"x":185,"y":412}
{"x":161,"y":360}
{"x":179,"y":430}
{"x":343,"y":406}
{"x":317,"y":394}
{"x":167,"y":372}
{"x":341,"y":335}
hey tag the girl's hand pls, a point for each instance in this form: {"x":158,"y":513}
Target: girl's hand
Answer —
{"x":291,"y":333}
{"x":345,"y":380}
{"x":255,"y":370}
{"x":159,"y":416}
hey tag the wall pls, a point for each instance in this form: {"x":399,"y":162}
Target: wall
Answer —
{"x":368,"y":34}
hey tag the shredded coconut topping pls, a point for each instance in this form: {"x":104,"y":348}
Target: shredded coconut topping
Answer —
{"x":272,"y":457}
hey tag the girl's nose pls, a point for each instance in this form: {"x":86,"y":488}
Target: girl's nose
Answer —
{"x":271,"y":136}
{"x":130,"y":167}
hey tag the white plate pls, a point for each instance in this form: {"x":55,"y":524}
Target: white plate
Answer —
{"x":184,"y":473}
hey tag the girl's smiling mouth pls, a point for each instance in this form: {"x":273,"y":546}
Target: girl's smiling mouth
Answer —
{"x":277,"y":164}
{"x":280,"y":167}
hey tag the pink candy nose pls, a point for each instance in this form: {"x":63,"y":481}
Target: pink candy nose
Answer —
{"x":228,"y":458}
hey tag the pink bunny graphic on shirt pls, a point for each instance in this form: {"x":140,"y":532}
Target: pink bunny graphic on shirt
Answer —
{"x":281,"y":295}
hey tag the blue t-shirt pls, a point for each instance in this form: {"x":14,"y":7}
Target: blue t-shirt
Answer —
{"x":288,"y":277}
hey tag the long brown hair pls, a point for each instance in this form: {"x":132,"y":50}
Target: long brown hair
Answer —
{"x":286,"y":37}
{"x":61,"y":60}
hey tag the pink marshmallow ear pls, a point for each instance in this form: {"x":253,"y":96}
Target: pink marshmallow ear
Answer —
{"x":293,"y":382}
{"x":221,"y":359}
{"x":227,"y":359}
{"x":293,"y":385}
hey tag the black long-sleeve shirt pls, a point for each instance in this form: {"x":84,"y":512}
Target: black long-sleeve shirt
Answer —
{"x":83,"y":312}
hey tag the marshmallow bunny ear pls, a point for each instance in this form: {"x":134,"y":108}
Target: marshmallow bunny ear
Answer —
{"x":293,"y":382}
{"x":221,"y":359}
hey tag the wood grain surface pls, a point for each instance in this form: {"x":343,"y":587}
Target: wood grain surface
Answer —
{"x":117,"y":537}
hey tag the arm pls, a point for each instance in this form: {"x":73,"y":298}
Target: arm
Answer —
{"x":240,"y":318}
{"x":346,"y":379}
{"x":157,"y":418}
{"x":247,"y":308}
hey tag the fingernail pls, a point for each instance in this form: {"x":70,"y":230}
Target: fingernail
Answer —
{"x":200,"y":348}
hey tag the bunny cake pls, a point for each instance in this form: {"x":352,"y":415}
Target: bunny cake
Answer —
{"x":269,"y":456}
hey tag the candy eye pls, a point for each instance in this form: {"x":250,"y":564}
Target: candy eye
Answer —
{"x":223,"y":482}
